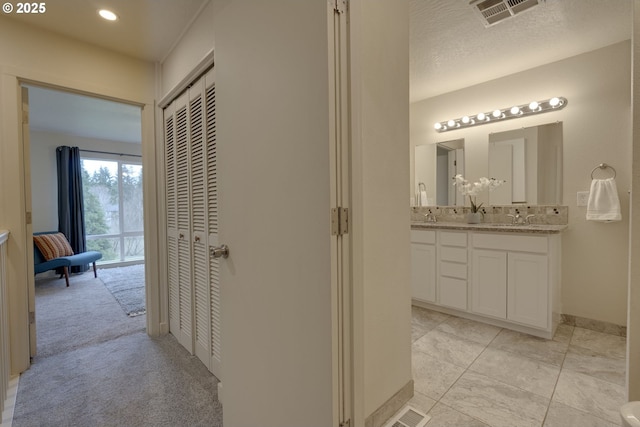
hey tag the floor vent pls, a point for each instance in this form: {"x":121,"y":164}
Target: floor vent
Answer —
{"x":408,"y":417}
{"x":493,"y":11}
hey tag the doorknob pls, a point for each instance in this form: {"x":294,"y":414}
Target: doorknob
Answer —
{"x":220,"y":251}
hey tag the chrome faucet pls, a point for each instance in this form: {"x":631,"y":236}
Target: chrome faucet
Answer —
{"x":430,"y":217}
{"x":519,"y":219}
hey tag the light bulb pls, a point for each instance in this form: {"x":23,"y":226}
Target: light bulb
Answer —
{"x":466,"y":120}
{"x":481,"y":116}
{"x":438,"y":126}
{"x":108,"y":15}
{"x":515,"y":110}
{"x":451,"y":123}
{"x":554,"y":102}
{"x":534,"y":106}
{"x":497,"y":113}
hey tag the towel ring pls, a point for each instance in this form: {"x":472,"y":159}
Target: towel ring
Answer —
{"x":603,"y":166}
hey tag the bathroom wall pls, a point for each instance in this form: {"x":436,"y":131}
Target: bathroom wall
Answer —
{"x":597,"y":129}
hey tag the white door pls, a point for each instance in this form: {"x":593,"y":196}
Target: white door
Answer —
{"x":423,"y":272}
{"x":215,"y":315}
{"x":459,"y":170}
{"x":451,"y":168}
{"x":528,"y":289}
{"x":26,"y":147}
{"x":278,"y":141}
{"x":489,"y":283}
{"x":178,"y":221}
{"x":501,"y":167}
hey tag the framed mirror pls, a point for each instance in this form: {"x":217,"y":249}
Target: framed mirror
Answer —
{"x":529,"y":159}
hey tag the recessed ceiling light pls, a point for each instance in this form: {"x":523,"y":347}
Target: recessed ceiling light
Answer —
{"x":108,"y":15}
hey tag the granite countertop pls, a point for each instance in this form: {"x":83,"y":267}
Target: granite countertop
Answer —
{"x":503,"y":228}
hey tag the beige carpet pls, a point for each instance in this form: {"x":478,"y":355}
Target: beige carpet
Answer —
{"x":97,"y":367}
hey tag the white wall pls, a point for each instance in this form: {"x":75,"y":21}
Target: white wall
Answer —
{"x":193,"y":46}
{"x":597,"y":129}
{"x":44,"y":175}
{"x":43,"y":57}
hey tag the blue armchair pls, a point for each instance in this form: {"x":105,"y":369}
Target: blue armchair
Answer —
{"x":41,"y":264}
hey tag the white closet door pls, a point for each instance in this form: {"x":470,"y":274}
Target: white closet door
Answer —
{"x":199,"y":225}
{"x":212,"y":214}
{"x":173,"y":269}
{"x":183,"y":204}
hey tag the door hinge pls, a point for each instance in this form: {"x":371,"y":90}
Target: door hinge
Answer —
{"x":29,"y":218}
{"x":346,"y":423}
{"x":340,"y":6}
{"x":32,"y":317}
{"x":25,"y":117}
{"x":339,"y":221}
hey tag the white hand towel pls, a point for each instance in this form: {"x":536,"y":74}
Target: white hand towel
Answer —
{"x":603,"y":204}
{"x":423,"y":198}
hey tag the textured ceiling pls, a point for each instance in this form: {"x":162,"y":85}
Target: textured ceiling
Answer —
{"x":147,"y":29}
{"x":450,"y":48}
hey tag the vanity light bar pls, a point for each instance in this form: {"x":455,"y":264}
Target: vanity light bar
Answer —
{"x":535,"y":107}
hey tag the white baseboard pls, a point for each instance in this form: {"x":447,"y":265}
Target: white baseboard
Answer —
{"x":10,"y":402}
{"x":219,"y":394}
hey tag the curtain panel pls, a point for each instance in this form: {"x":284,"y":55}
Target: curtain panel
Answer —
{"x":71,"y":200}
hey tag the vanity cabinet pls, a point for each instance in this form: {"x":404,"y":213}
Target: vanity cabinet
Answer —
{"x":423,"y":265}
{"x":452,"y":269}
{"x":504,"y":278}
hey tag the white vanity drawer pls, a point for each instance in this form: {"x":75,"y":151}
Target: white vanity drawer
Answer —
{"x":511,"y":242}
{"x":450,"y":238}
{"x":423,"y":236}
{"x":453,"y":269}
{"x":448,"y":253}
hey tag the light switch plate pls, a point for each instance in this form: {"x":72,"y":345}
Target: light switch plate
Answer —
{"x":582,"y":198}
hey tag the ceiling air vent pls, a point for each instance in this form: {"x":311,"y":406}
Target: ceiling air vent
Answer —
{"x":493,"y":11}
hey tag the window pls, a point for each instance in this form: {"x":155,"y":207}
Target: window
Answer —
{"x":113,"y":212}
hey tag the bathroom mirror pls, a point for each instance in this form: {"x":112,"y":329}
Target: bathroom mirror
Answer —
{"x":529,"y":159}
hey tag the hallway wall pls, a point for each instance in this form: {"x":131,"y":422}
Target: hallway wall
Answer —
{"x":43,"y":57}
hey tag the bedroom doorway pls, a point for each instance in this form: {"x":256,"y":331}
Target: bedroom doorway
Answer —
{"x":108,"y":135}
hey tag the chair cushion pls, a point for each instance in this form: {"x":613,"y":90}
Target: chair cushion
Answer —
{"x":54,"y":245}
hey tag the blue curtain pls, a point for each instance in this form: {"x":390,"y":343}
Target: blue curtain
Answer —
{"x":71,"y":200}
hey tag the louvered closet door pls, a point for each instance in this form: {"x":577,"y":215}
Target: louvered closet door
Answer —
{"x":199,"y":224}
{"x":212,"y":214}
{"x":183,"y":329}
{"x":173,"y":268}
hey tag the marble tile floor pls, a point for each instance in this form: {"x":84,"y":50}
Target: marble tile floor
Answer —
{"x":471,"y":374}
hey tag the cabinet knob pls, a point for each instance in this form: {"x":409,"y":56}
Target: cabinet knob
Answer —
{"x":181,"y":236}
{"x":197,"y":238}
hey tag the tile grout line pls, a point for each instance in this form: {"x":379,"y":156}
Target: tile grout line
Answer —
{"x":464,"y":372}
{"x":544,"y":419}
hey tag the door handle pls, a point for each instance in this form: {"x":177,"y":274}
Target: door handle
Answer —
{"x":220,"y":251}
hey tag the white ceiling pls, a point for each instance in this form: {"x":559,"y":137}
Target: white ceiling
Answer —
{"x":69,"y":113}
{"x":146,"y":29}
{"x":451,"y":49}
{"x":449,"y":46}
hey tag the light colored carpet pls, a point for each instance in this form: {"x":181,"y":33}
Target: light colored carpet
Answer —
{"x":97,"y":367}
{"x":126,"y":284}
